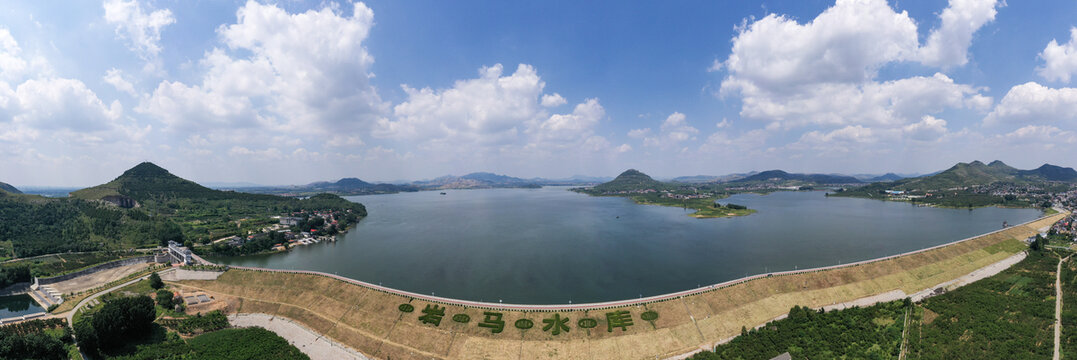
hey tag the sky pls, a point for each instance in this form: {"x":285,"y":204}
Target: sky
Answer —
{"x":292,"y":92}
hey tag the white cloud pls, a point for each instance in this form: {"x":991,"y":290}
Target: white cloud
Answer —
{"x":141,"y":30}
{"x":568,"y":128}
{"x":1034,"y":103}
{"x":12,"y":64}
{"x":891,"y":103}
{"x":724,"y":123}
{"x":639,"y":133}
{"x":115,"y":78}
{"x":847,"y":43}
{"x":948,"y":45}
{"x":553,"y":100}
{"x":1060,"y":61}
{"x":304,"y":73}
{"x":674,"y":130}
{"x":489,"y":109}
{"x":1038,"y":134}
{"x":929,"y":128}
{"x":264,"y":154}
{"x":823,"y":72}
{"x":723,"y":142}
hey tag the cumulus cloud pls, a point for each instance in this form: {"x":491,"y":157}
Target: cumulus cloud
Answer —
{"x":891,"y":103}
{"x":846,"y":43}
{"x":822,"y":74}
{"x":115,"y":78}
{"x":35,"y":102}
{"x":1034,"y":103}
{"x":141,"y":30}
{"x":1060,"y":61}
{"x":11,"y":62}
{"x":492,"y":110}
{"x":1038,"y":134}
{"x":305,"y":73}
{"x":948,"y":45}
{"x":674,"y":131}
{"x":929,"y":128}
{"x":553,"y":100}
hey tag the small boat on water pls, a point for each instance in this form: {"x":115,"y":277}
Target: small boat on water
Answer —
{"x":442,"y":193}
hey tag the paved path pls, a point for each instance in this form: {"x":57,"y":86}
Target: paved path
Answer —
{"x":306,"y":340}
{"x":1058,"y":308}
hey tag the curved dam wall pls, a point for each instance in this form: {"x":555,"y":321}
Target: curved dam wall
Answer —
{"x":387,"y":323}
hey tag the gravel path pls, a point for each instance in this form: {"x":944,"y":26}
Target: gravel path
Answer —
{"x":308,"y":341}
{"x":1058,"y":308}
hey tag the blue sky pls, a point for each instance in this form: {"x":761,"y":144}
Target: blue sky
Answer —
{"x":294,"y":92}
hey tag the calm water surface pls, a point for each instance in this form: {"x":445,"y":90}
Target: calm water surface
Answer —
{"x":18,"y":305}
{"x":550,"y":245}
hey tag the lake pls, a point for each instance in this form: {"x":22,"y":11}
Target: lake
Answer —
{"x":18,"y":305}
{"x":552,"y":246}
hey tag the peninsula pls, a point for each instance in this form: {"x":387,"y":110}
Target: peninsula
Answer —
{"x":645,"y":190}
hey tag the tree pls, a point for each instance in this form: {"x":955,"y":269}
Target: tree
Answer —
{"x":155,"y":281}
{"x":164,"y":298}
{"x":1037,"y":244}
{"x":123,"y":319}
{"x":86,"y":335}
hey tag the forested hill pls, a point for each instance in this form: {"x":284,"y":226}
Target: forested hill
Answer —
{"x":9,"y":188}
{"x":146,"y":181}
{"x":630,"y":180}
{"x":977,"y":173}
{"x":144,"y":207}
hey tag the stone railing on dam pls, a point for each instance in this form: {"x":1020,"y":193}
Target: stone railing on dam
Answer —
{"x":607,"y":304}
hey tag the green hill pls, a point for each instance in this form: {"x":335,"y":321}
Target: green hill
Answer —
{"x":147,"y":181}
{"x":9,"y":188}
{"x":147,"y":206}
{"x":971,"y":185}
{"x":977,"y":173}
{"x":630,"y":180}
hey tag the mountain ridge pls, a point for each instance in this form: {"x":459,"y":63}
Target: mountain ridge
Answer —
{"x":9,"y":188}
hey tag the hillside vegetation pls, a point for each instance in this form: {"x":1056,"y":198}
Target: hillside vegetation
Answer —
{"x":975,"y":184}
{"x":9,"y":188}
{"x":145,"y":206}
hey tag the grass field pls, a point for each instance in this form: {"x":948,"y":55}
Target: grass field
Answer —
{"x":370,"y":321}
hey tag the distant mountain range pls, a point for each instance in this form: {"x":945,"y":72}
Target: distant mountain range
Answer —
{"x":697,"y":179}
{"x":9,"y":188}
{"x":478,"y":180}
{"x":778,"y":176}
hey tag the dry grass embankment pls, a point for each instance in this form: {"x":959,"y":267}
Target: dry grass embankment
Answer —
{"x":370,"y":322}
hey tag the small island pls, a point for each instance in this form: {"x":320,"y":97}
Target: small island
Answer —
{"x":645,"y":190}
